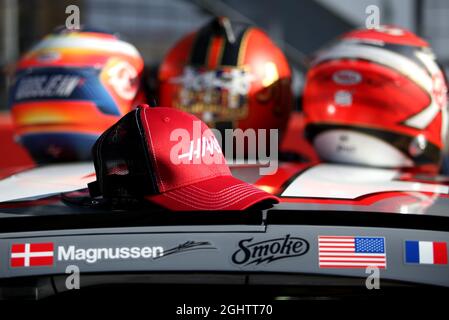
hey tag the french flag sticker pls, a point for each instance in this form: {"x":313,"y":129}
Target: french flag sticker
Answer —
{"x":425,"y":252}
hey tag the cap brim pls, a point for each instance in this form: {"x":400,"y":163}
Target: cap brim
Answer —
{"x":219,"y":193}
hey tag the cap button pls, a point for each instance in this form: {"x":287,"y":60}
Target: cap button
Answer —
{"x":166,"y":119}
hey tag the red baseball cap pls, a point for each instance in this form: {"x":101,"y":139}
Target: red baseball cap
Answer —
{"x":172,"y":159}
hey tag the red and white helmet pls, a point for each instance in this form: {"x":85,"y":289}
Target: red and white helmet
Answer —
{"x":377,"y":97}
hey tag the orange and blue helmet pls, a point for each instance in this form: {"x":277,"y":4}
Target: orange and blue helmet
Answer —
{"x":69,"y":88}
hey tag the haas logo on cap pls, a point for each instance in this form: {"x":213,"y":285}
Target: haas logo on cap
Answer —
{"x":200,"y":147}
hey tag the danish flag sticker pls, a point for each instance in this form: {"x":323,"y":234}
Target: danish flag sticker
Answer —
{"x":32,"y":255}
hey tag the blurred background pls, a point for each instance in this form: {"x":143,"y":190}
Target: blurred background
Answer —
{"x":299,"y":27}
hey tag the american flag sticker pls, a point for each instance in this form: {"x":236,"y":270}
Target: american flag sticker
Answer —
{"x":32,"y":254}
{"x":349,"y":252}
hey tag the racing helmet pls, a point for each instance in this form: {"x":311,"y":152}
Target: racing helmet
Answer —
{"x":377,"y":97}
{"x":69,"y":88}
{"x":230,"y":75}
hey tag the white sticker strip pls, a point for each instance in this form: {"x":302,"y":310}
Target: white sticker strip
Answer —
{"x":45,"y":181}
{"x":346,"y":182}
